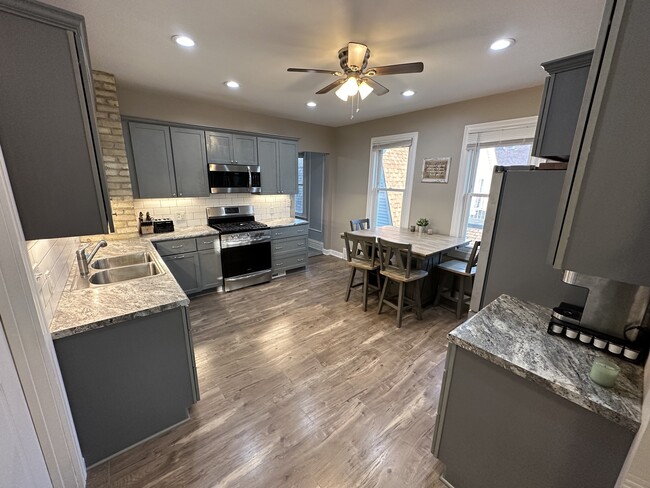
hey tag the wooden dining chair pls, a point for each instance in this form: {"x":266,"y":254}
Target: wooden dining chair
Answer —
{"x":462,"y":274}
{"x":395,"y":265}
{"x":359,"y":224}
{"x":362,"y":256}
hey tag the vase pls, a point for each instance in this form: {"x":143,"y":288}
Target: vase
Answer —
{"x":420,"y":230}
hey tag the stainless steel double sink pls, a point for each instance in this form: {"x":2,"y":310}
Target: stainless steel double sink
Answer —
{"x":117,"y":269}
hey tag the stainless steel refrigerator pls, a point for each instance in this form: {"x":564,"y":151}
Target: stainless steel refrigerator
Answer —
{"x":514,"y":256}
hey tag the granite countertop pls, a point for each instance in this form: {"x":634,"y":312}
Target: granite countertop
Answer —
{"x":183,"y":233}
{"x":96,"y":307}
{"x":288,"y":222}
{"x":512,"y":334}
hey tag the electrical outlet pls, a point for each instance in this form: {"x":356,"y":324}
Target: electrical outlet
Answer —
{"x":180,"y":215}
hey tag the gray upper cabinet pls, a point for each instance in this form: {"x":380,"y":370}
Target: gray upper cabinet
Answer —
{"x":267,"y":153}
{"x":219,"y":147}
{"x":244,"y":149}
{"x":278,"y":159}
{"x":152,"y":160}
{"x":166,"y":161}
{"x":564,"y":89}
{"x":47,"y":123}
{"x":288,"y":167}
{"x":190,"y":162}
{"x":226,"y":148}
{"x":603,"y":224}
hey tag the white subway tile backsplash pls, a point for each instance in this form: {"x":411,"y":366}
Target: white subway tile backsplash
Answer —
{"x":266,"y":207}
{"x":51,"y":260}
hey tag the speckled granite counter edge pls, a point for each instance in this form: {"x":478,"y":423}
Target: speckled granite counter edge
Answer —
{"x":575,"y":397}
{"x":79,"y":306}
{"x":277,"y":223}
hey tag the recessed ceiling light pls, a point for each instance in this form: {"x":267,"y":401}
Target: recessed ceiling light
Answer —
{"x":232,"y":84}
{"x":183,"y":41}
{"x":500,"y":44}
{"x":408,"y":93}
{"x":311,"y":104}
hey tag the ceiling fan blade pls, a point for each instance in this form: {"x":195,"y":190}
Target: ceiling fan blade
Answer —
{"x":378,"y":88}
{"x":313,"y":70}
{"x":356,"y":55}
{"x":396,"y":69}
{"x":330,"y":87}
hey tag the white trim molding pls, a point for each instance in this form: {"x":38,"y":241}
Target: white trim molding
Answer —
{"x":462,"y":181}
{"x":406,"y":202}
{"x":332,"y":252}
{"x":33,"y":350}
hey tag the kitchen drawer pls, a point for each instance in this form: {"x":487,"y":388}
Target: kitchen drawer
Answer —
{"x":207,"y":242}
{"x":284,"y":263}
{"x":287,"y":246}
{"x":294,"y":231}
{"x":167,"y":248}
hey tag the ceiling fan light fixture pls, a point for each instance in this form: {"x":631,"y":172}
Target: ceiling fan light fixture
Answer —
{"x":232,"y":84}
{"x":356,"y":55}
{"x":311,"y":104}
{"x":342,"y":93}
{"x":364,"y":90}
{"x":351,"y":86}
{"x":408,"y":93}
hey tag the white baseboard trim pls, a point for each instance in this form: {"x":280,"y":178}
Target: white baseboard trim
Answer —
{"x":314,"y":244}
{"x":633,"y":481}
{"x":332,"y":252}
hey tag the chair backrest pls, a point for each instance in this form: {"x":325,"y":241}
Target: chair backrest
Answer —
{"x":360,"y":248}
{"x":359,"y":224}
{"x":473,"y":257}
{"x":395,"y":256}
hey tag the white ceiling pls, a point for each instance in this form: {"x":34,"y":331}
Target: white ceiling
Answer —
{"x":254,"y":41}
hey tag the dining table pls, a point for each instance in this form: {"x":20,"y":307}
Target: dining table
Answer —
{"x":427,"y":251}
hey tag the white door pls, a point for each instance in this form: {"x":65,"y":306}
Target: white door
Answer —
{"x":21,"y":460}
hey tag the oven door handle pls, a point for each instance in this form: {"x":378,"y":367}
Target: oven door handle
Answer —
{"x":249,"y":275}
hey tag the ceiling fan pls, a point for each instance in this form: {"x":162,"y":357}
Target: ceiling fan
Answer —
{"x":355,"y":77}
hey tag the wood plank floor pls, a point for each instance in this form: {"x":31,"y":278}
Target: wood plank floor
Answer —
{"x":300,"y":389}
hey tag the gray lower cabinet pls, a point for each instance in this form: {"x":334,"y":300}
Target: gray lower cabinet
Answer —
{"x":227,"y":148}
{"x":543,"y":439}
{"x":48,"y":132}
{"x":278,"y":160}
{"x":564,"y":89}
{"x":185,"y":268}
{"x":289,"y":248}
{"x":194,"y":262}
{"x":166,"y":161}
{"x":128,"y":381}
{"x":602,"y":224}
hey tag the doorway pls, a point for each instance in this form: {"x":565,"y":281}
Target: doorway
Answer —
{"x":310,"y":196}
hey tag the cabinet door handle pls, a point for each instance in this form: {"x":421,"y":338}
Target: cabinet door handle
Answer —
{"x":180,"y":194}
{"x":208,"y":242}
{"x":173,"y":194}
{"x":178,"y":257}
{"x":178,"y":247}
{"x":279,"y":247}
{"x":300,"y":260}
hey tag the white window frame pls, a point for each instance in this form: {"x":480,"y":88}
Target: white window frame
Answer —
{"x":372,"y":176}
{"x":464,"y":171}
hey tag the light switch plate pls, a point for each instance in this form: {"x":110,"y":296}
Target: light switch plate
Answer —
{"x":179,"y":215}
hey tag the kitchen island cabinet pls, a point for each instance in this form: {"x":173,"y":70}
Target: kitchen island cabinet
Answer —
{"x":517,"y":406}
{"x":126,"y":355}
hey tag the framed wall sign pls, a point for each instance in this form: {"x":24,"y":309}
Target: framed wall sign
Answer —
{"x":436,"y":170}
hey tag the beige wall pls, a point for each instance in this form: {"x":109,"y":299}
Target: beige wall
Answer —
{"x":440,"y":134}
{"x":164,"y":106}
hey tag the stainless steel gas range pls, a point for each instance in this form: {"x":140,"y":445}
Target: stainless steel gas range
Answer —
{"x":245,"y":246}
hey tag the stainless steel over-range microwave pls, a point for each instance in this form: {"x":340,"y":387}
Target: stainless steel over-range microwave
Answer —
{"x":234,"y":178}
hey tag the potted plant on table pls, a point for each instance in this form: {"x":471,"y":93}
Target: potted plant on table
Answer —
{"x":422,"y":224}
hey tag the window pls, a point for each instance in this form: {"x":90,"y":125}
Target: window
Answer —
{"x":301,"y":207}
{"x":504,"y":143}
{"x":390,"y":179}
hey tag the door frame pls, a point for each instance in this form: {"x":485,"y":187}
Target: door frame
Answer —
{"x":32,"y":349}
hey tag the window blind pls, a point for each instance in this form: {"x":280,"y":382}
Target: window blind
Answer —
{"x":500,"y":137}
{"x":391,"y":145}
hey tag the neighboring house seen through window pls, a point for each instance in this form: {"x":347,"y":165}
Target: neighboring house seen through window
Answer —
{"x":390,"y":180}
{"x":301,"y":207}
{"x":503,"y":143}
